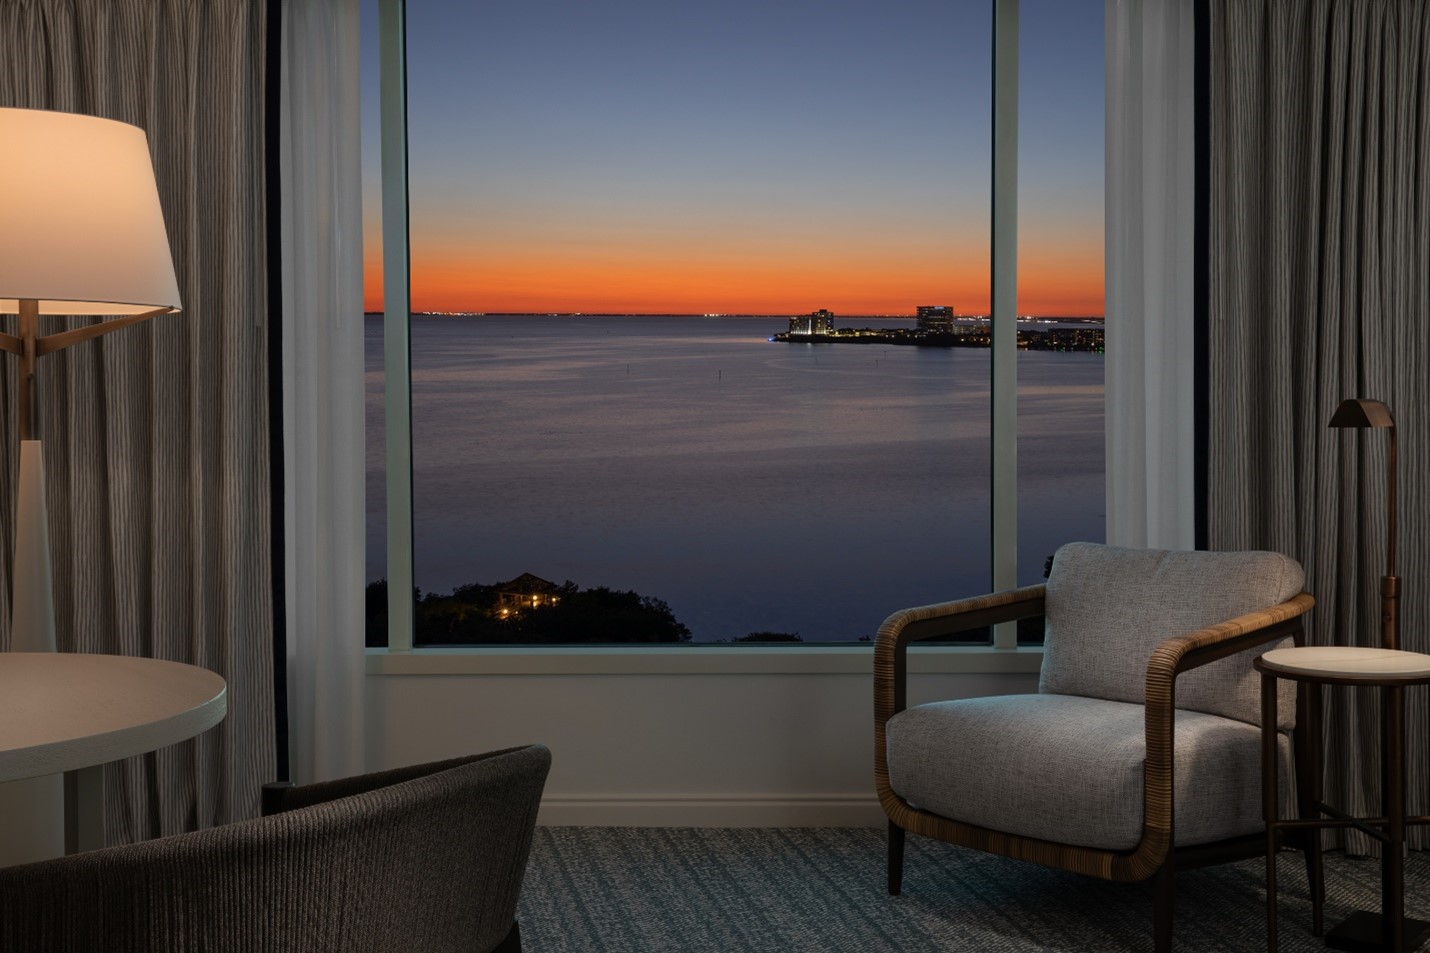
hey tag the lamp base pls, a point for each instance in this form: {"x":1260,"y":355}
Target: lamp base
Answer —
{"x":32,"y":819}
{"x":1363,"y":930}
{"x":32,"y":599}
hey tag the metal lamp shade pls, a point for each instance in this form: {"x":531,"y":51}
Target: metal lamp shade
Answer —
{"x":1359,"y":412}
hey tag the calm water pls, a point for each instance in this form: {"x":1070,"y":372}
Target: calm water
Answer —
{"x":751,"y":485}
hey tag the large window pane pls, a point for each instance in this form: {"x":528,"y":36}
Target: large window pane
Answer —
{"x":1060,"y":290}
{"x":614,"y":207}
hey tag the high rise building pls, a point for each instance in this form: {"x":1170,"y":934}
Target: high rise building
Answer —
{"x":935,"y":317}
{"x":817,"y":322}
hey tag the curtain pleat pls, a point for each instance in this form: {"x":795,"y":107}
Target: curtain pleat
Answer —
{"x":156,"y":436}
{"x":1320,"y":290}
{"x":323,"y":413}
{"x":1150,"y":279}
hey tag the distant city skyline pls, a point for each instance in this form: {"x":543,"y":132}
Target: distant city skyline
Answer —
{"x":906,"y":314}
{"x":637,"y":157}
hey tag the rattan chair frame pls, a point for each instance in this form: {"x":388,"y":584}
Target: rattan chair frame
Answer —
{"x":1153,"y":856}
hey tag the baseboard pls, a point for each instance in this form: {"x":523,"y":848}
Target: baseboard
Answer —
{"x":701,"y":810}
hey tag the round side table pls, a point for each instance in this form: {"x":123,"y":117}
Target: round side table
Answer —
{"x":73,"y":712}
{"x":1390,"y":671}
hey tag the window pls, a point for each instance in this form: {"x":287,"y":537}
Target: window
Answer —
{"x":613,"y":210}
{"x":1061,"y":459}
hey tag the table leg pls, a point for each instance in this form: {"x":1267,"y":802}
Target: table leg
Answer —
{"x":84,"y":809}
{"x":1316,"y":868}
{"x":32,"y":820}
{"x":1392,"y":875}
{"x":1389,"y":929}
{"x":1270,"y":807}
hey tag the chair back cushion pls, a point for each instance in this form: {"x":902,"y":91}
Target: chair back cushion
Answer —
{"x":426,"y":858}
{"x":1108,"y":607}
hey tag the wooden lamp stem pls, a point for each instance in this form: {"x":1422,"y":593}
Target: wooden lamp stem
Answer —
{"x":29,"y":328}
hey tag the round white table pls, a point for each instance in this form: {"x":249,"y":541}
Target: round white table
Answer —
{"x":71,"y":712}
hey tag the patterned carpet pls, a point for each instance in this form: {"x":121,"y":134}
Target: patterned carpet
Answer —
{"x":683,"y":890}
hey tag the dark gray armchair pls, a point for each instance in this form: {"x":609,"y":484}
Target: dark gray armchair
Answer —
{"x":429,"y":857}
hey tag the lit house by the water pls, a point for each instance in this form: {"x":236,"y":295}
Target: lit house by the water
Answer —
{"x":524,"y":592}
{"x":818,"y":322}
{"x":935,"y":317}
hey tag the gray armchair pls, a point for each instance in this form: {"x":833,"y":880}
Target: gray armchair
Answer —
{"x":1140,"y":753}
{"x":428,"y":858}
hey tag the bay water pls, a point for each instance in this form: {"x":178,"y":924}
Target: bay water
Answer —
{"x":752,"y":485}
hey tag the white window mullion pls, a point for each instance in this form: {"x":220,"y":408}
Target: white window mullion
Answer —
{"x":396,"y":322}
{"x":1003,"y":317}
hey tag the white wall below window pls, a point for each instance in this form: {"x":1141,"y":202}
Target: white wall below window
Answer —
{"x":666,"y":748}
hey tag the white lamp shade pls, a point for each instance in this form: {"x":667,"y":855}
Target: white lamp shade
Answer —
{"x":81,"y":230}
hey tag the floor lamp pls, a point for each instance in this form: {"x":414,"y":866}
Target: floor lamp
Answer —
{"x":1357,"y":412}
{"x":1365,"y":929}
{"x":81,"y":232}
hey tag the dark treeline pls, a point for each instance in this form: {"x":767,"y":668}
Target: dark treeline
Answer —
{"x":472,"y":615}
{"x":475,"y":614}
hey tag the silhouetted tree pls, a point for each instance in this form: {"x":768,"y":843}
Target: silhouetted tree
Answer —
{"x":770,"y":637}
{"x":471,"y":615}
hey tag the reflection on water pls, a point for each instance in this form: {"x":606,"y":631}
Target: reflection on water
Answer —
{"x":751,"y":485}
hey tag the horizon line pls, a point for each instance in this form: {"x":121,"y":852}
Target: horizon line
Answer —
{"x":721,"y":314}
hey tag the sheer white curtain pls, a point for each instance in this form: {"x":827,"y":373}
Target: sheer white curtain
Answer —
{"x":323,"y":457}
{"x":1150,"y":212}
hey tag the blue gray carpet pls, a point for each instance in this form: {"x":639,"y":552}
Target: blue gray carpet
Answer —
{"x":795,"y":890}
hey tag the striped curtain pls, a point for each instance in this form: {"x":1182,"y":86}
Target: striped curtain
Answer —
{"x":156,"y":436}
{"x":1320,"y":290}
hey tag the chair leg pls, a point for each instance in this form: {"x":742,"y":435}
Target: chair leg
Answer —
{"x":511,"y":943}
{"x":1164,"y":906}
{"x":1316,"y":877}
{"x":896,"y":859}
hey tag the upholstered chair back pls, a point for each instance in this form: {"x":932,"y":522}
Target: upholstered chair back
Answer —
{"x":429,"y":857}
{"x":1107,"y":608}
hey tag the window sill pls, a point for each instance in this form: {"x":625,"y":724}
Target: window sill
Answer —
{"x":697,"y":660}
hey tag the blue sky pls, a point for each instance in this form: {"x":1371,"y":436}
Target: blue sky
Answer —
{"x":740,"y":157}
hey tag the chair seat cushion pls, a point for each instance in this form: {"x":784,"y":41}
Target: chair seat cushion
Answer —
{"x":1068,"y":769}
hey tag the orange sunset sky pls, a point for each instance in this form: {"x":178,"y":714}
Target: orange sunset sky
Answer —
{"x":1054,"y":279}
{"x":739,"y":158}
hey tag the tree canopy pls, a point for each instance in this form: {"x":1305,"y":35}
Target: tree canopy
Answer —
{"x":475,"y":614}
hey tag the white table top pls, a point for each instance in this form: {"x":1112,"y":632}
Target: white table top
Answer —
{"x":60,"y":711}
{"x":1347,"y":662}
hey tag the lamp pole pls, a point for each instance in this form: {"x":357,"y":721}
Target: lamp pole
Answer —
{"x":29,"y":330}
{"x":1359,"y":412}
{"x":32,"y":609}
{"x":1390,"y":583}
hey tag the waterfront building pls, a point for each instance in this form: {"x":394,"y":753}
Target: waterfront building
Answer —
{"x":526,"y":591}
{"x":935,"y":318}
{"x":816,"y":322}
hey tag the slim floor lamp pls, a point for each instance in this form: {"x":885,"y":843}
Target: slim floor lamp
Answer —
{"x":1364,"y":929}
{"x":81,"y":232}
{"x":1361,"y":413}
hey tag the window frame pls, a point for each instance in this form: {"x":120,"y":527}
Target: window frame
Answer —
{"x":392,"y":44}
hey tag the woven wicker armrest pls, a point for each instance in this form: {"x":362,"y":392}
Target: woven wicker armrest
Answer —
{"x":1170,"y":658}
{"x":929,"y":622}
{"x":1181,"y":653}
